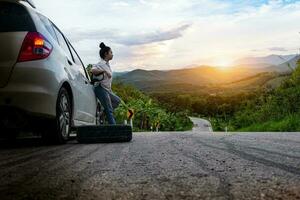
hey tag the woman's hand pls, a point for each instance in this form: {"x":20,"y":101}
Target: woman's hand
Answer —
{"x":108,"y":75}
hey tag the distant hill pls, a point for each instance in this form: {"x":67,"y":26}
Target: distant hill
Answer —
{"x":284,"y":67}
{"x":256,"y":66}
{"x":117,"y":74}
{"x":209,"y":79}
{"x":270,"y":80}
{"x":266,"y":60}
{"x":198,"y":76}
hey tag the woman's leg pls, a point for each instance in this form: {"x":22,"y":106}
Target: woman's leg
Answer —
{"x":104,"y":97}
{"x":115,"y":100}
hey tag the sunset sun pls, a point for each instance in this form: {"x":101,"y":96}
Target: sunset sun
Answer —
{"x":223,"y":63}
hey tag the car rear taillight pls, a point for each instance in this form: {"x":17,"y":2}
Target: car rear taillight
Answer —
{"x":35,"y":46}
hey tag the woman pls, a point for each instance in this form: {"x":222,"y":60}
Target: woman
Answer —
{"x":102,"y":88}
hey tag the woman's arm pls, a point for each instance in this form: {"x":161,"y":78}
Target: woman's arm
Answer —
{"x":97,"y":71}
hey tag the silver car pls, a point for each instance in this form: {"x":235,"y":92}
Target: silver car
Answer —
{"x":44,"y":86}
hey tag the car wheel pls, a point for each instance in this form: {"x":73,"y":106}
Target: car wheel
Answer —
{"x":63,"y":118}
{"x":60,"y":129}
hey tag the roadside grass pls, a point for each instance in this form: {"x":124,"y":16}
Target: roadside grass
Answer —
{"x":288,"y":124}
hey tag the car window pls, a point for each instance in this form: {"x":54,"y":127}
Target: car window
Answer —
{"x":75,"y":56}
{"x":63,"y":43}
{"x":48,"y":26}
{"x":14,"y":17}
{"x":78,"y":62}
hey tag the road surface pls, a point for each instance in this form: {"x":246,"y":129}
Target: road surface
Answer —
{"x":201,"y":125}
{"x":186,"y":165}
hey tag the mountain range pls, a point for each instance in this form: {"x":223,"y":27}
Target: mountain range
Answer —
{"x":206,"y":76}
{"x":267,"y":60}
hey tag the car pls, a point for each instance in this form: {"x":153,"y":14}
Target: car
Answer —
{"x":44,"y":86}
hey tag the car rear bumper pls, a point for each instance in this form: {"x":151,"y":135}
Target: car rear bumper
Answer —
{"x":32,"y":100}
{"x":19,"y":119}
{"x":31,"y":89}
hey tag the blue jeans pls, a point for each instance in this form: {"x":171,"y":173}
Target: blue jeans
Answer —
{"x":109,"y":101}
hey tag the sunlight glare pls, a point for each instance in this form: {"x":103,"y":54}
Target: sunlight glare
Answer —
{"x":223,"y":63}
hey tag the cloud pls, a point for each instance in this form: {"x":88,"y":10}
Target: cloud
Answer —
{"x":77,"y":35}
{"x":158,"y":36}
{"x":142,"y":32}
{"x":120,"y":4}
{"x":277,"y":49}
{"x":271,"y":49}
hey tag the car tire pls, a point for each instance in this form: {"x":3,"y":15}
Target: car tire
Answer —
{"x":60,"y":129}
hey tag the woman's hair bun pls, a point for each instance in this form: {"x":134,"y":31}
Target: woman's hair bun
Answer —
{"x":102,"y":45}
{"x":103,"y":50}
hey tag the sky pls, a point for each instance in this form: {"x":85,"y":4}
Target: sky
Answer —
{"x":171,"y":34}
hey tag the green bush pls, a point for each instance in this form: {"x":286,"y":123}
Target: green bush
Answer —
{"x":289,"y":123}
{"x":277,"y":110}
{"x":147,"y":112}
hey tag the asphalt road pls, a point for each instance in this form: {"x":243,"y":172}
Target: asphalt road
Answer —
{"x":187,"y":165}
{"x":201,"y":125}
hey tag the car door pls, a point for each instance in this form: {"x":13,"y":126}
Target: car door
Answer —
{"x":87,"y":100}
{"x":73,"y":74}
